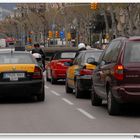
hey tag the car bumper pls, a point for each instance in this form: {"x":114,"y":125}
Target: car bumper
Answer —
{"x":27,"y":88}
{"x":85,"y":83}
{"x":59,"y":73}
{"x":126,"y":94}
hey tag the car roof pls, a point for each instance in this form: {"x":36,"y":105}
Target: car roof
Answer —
{"x":134,"y":38}
{"x":92,"y":50}
{"x":12,"y":51}
{"x":54,"y":49}
{"x":130,"y":38}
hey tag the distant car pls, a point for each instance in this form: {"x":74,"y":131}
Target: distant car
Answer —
{"x":117,"y":75}
{"x":20,"y":75}
{"x":79,"y":74}
{"x":56,"y":69}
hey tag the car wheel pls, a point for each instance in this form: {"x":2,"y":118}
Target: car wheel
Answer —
{"x":47,"y":76}
{"x":112,"y":105}
{"x":41,"y":96}
{"x":95,"y":100}
{"x":78,"y":92}
{"x":68,"y":89}
{"x":53,"y":80}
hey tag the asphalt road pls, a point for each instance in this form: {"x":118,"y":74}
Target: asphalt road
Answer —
{"x":63,"y":113}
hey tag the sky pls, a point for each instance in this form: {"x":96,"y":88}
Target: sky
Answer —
{"x":8,"y":6}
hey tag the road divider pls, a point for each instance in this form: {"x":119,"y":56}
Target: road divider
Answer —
{"x":86,"y":113}
{"x":67,"y":101}
{"x":46,"y":87}
{"x":55,"y":93}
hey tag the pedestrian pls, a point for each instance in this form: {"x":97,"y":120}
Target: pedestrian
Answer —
{"x":37,"y":49}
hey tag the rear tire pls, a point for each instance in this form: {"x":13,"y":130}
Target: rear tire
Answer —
{"x":53,"y":80}
{"x":95,"y":100}
{"x":41,"y":96}
{"x":112,"y":105}
{"x":78,"y":92}
{"x":67,"y":88}
{"x":47,"y":79}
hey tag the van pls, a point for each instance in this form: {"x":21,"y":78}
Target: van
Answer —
{"x":117,"y":75}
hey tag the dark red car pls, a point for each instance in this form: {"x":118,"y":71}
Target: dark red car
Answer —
{"x":56,"y":69}
{"x":117,"y":76}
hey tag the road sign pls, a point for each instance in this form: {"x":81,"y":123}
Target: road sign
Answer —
{"x":61,"y":34}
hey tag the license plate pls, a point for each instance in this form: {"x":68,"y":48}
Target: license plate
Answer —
{"x":14,"y":76}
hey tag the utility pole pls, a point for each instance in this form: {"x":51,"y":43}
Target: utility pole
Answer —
{"x":66,"y":29}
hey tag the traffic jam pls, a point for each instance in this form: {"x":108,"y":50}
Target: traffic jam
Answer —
{"x":70,"y":68}
{"x":111,"y":74}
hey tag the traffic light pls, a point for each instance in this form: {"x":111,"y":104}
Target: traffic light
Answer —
{"x":93,"y":6}
{"x":30,"y":40}
{"x":57,"y":34}
{"x":69,"y":36}
{"x":30,"y":33}
{"x":50,"y":34}
{"x":62,"y":34}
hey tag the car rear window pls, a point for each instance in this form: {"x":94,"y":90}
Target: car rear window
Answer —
{"x":67,"y":55}
{"x":49,"y":55}
{"x":132,"y":52}
{"x":8,"y":58}
{"x":95,"y":55}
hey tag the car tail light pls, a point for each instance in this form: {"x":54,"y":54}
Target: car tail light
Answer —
{"x":37,"y":73}
{"x":118,"y":72}
{"x":85,"y":72}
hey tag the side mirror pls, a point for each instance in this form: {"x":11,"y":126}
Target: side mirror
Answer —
{"x":68,"y":63}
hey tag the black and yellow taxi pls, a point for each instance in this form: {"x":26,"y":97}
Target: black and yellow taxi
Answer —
{"x":20,"y":75}
{"x":78,"y":76}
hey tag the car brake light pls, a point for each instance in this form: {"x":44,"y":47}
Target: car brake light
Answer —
{"x":85,"y":72}
{"x":37,"y":73}
{"x":118,"y":72}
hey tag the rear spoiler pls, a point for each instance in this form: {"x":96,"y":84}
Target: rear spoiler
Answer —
{"x":57,"y":49}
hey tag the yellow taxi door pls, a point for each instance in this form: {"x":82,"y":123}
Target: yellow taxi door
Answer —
{"x":72,"y":69}
{"x":71,"y":74}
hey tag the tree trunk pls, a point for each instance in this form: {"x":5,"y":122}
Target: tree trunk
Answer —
{"x":114,"y":25}
{"x":106,"y":22}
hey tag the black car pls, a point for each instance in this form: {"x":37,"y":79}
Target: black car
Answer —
{"x":20,"y":75}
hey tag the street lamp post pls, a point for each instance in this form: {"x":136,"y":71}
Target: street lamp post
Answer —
{"x":90,"y":32}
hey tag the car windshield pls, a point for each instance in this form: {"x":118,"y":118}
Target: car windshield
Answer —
{"x":95,"y":55}
{"x":67,"y":55}
{"x":132,"y":52}
{"x":8,"y":58}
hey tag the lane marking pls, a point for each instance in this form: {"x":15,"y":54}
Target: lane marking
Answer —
{"x":86,"y":113}
{"x":46,"y":86}
{"x":55,"y":93}
{"x":67,"y":101}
